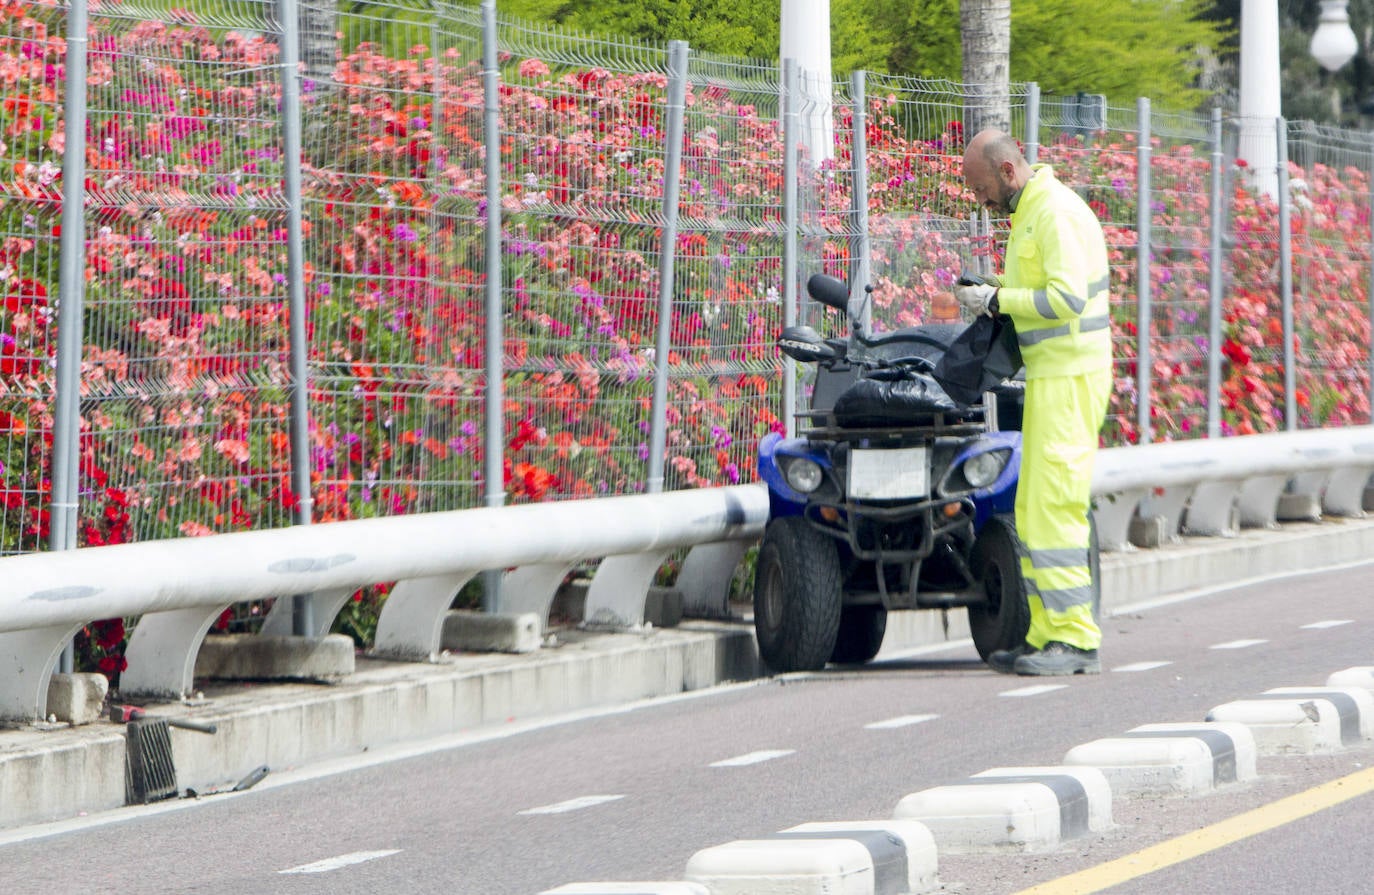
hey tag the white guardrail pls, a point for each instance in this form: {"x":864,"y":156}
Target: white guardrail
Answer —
{"x":180,"y":587}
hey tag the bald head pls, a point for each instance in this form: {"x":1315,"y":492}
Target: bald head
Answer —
{"x":995,"y":169}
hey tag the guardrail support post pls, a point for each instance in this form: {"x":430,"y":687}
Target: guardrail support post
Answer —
{"x":619,"y":589}
{"x":411,"y":625}
{"x":27,"y":659}
{"x":162,"y":652}
{"x":706,"y":575}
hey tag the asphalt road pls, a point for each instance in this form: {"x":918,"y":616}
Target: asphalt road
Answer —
{"x":631,"y":795}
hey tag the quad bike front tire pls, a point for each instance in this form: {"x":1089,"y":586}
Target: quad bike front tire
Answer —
{"x":1000,"y":622}
{"x":797,"y":596}
{"x":861,"y":634}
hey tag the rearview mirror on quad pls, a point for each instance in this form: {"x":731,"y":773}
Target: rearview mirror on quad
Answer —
{"x":804,"y":344}
{"x":828,"y":291}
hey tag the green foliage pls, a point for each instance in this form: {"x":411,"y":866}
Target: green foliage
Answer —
{"x":1123,"y":50}
{"x":714,"y":26}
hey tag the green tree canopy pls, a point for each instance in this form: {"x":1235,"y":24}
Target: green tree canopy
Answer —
{"x":1124,"y":49}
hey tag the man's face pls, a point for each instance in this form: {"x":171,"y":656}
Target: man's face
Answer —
{"x":991,"y":186}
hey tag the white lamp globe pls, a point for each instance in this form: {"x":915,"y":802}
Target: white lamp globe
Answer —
{"x":1333,"y":43}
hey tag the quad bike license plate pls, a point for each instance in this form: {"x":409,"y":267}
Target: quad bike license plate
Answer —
{"x":888,"y":474}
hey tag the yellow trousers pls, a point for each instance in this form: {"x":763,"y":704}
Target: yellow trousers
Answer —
{"x":1062,"y":421}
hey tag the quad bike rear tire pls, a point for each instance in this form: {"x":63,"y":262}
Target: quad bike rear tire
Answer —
{"x":796,"y":596}
{"x":861,"y":634}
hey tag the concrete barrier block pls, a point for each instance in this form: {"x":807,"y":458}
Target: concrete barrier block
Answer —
{"x":77,"y":698}
{"x":259,"y":657}
{"x":1286,"y":725}
{"x":1354,"y":705}
{"x":1242,"y":745}
{"x":905,"y":861}
{"x":1013,"y":809}
{"x":812,"y":866}
{"x":1170,"y":759}
{"x":1149,"y":531}
{"x":1298,"y":508}
{"x":1358,"y":676}
{"x":482,"y":632}
{"x":654,"y":888}
{"x":1167,"y":766}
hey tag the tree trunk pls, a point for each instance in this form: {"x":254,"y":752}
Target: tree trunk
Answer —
{"x":985,"y":26}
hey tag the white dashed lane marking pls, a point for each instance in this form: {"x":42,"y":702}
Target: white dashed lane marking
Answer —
{"x":328,"y":864}
{"x":900,"y":721}
{"x":1329,"y":623}
{"x":571,"y":805}
{"x":1237,"y":644}
{"x":1034,"y":691}
{"x":751,"y":758}
{"x":1141,"y":666}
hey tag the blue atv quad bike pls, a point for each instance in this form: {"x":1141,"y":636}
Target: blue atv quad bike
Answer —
{"x":895,"y":497}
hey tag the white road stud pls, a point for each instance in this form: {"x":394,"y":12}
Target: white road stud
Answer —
{"x":784,"y":867}
{"x":1359,"y":676}
{"x":1171,"y":759}
{"x":628,"y":889}
{"x":903,"y":851}
{"x":1013,"y":809}
{"x":1285,"y":725}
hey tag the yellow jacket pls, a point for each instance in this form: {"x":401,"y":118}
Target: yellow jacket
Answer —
{"x":1055,"y":285}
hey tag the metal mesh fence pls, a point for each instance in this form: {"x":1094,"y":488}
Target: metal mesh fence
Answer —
{"x":185,"y":386}
{"x":582,"y":130}
{"x":1330,"y":203}
{"x":30,"y":151}
{"x":393,"y":192}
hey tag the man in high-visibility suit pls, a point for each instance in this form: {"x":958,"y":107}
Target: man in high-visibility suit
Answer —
{"x":1055,"y":289}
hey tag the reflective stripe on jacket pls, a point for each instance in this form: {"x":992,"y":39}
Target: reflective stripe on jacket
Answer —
{"x":1056,"y":281}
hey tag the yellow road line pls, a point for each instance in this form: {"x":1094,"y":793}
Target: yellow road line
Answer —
{"x":1218,"y":835}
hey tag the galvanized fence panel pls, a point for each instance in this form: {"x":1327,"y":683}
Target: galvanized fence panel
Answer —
{"x":1093,"y":148}
{"x":1330,"y":196}
{"x":30,"y":215}
{"x":1180,"y":272}
{"x":185,"y":384}
{"x":582,"y":126}
{"x":724,"y":377}
{"x":394,"y":195}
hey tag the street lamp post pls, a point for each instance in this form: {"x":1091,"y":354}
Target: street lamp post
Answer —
{"x":1333,"y":45}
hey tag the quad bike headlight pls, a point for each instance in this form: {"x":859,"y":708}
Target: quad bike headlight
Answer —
{"x":982,"y":470}
{"x":804,"y":475}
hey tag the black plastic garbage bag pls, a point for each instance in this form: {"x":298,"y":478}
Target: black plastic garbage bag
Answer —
{"x":982,"y":356}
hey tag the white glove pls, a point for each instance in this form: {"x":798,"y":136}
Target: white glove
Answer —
{"x":976,"y":299}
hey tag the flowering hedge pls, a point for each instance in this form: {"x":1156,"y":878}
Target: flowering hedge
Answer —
{"x":185,"y":372}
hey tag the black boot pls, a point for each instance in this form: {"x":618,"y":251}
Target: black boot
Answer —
{"x":1003,"y":661}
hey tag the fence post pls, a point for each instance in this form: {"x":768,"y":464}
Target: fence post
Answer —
{"x":302,"y":608}
{"x":859,"y":263}
{"x":1032,"y":122}
{"x":790,"y":292}
{"x":495,"y":484}
{"x":1143,"y":310}
{"x":1218,"y":223}
{"x":66,"y":440}
{"x":1290,"y":403}
{"x":667,"y":255}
